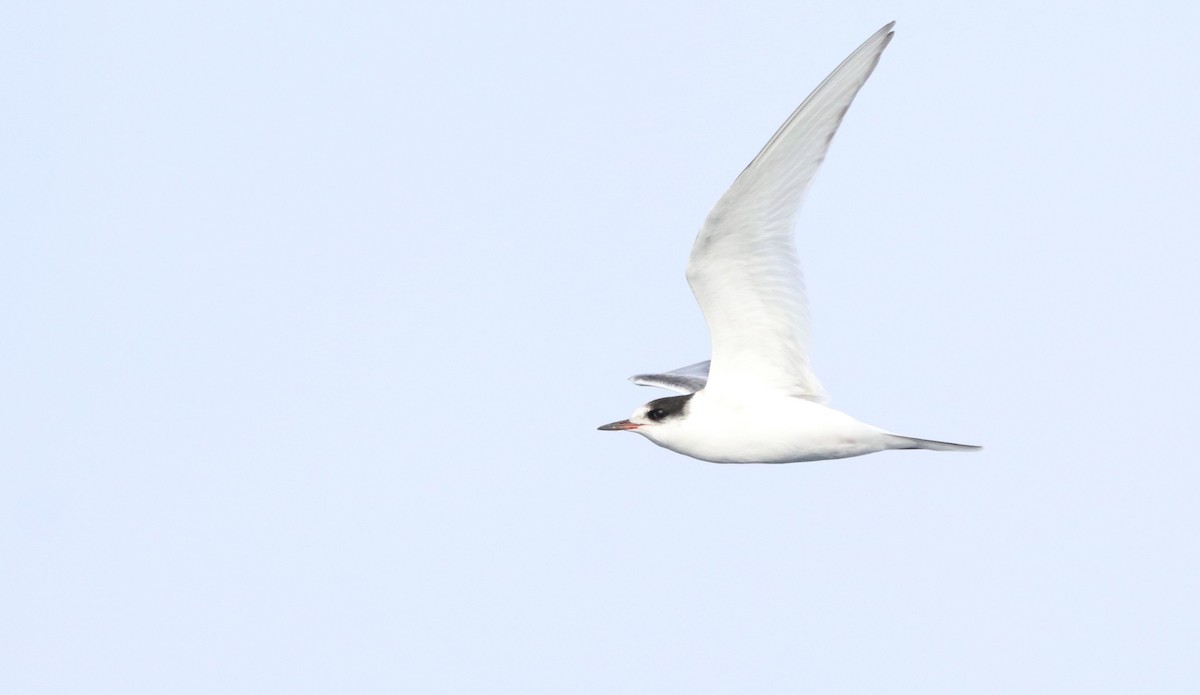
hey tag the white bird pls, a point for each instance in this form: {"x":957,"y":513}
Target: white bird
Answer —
{"x":757,"y":400}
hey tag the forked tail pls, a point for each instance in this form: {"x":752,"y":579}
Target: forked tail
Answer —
{"x":900,"y":442}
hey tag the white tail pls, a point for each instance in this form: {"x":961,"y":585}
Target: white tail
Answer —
{"x":900,"y":442}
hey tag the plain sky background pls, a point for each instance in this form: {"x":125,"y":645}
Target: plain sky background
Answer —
{"x":310,"y":311}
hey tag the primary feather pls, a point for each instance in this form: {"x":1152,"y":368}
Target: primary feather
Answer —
{"x":689,"y":379}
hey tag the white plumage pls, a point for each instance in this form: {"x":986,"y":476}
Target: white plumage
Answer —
{"x":759,"y":400}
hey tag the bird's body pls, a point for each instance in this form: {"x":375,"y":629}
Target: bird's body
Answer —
{"x":765,"y":428}
{"x":757,"y":400}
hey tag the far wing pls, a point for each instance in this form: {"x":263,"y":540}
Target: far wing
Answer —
{"x":744,"y":269}
{"x":689,"y":379}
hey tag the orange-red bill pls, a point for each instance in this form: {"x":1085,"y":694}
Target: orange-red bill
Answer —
{"x":619,"y":425}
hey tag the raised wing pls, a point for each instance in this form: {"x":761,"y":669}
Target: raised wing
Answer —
{"x":744,"y":269}
{"x":689,"y":379}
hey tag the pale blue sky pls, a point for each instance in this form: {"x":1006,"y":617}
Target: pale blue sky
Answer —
{"x":310,"y":313}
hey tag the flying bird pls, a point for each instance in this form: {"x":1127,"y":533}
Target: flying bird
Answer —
{"x":757,"y":400}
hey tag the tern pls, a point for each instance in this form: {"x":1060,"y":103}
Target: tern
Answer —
{"x":757,"y":400}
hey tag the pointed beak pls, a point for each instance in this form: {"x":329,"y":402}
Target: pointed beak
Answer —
{"x":620,"y":425}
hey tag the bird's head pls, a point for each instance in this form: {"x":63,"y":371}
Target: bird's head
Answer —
{"x":654,"y":417}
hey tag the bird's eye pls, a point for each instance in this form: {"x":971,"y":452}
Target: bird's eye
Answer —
{"x":656,"y":414}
